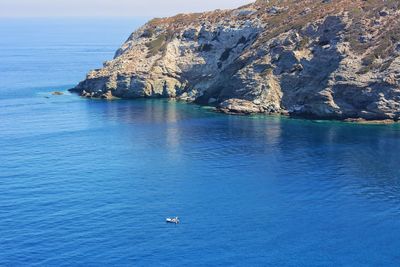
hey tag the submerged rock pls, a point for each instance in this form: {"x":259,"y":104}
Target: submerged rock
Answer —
{"x":57,"y":93}
{"x":108,"y":95}
{"x":334,"y":59}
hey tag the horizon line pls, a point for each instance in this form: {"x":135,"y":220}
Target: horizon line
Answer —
{"x":80,"y":17}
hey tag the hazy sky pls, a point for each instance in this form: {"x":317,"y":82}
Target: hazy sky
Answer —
{"x":131,"y":8}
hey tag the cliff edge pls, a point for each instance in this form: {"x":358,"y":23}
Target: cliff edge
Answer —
{"x":329,"y":59}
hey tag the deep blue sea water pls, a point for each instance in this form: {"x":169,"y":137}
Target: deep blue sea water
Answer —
{"x":89,"y":182}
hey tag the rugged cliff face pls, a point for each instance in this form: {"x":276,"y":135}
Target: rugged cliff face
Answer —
{"x":334,"y":59}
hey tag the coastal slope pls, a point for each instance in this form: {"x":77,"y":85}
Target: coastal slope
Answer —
{"x":329,"y":59}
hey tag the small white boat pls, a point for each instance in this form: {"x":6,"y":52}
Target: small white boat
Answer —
{"x":173,"y":220}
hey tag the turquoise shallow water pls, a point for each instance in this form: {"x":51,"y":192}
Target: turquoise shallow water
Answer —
{"x":89,"y":183}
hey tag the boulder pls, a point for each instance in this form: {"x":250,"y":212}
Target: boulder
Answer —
{"x":239,"y":106}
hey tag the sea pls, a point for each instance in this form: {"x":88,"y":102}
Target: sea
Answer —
{"x":91,"y":182}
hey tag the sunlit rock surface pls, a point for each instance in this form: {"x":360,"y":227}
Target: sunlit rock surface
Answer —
{"x":334,"y":59}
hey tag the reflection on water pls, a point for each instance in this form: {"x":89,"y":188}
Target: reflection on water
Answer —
{"x":348,"y":155}
{"x":80,"y":169}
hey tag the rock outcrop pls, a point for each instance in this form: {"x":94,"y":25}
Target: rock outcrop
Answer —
{"x":337,"y":59}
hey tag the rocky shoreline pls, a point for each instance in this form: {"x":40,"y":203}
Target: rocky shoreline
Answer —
{"x":337,"y":59}
{"x":246,"y":109}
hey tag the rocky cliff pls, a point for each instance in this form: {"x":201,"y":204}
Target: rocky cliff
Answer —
{"x":336,"y":59}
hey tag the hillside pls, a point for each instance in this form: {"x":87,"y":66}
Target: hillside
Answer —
{"x":330,"y":59}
